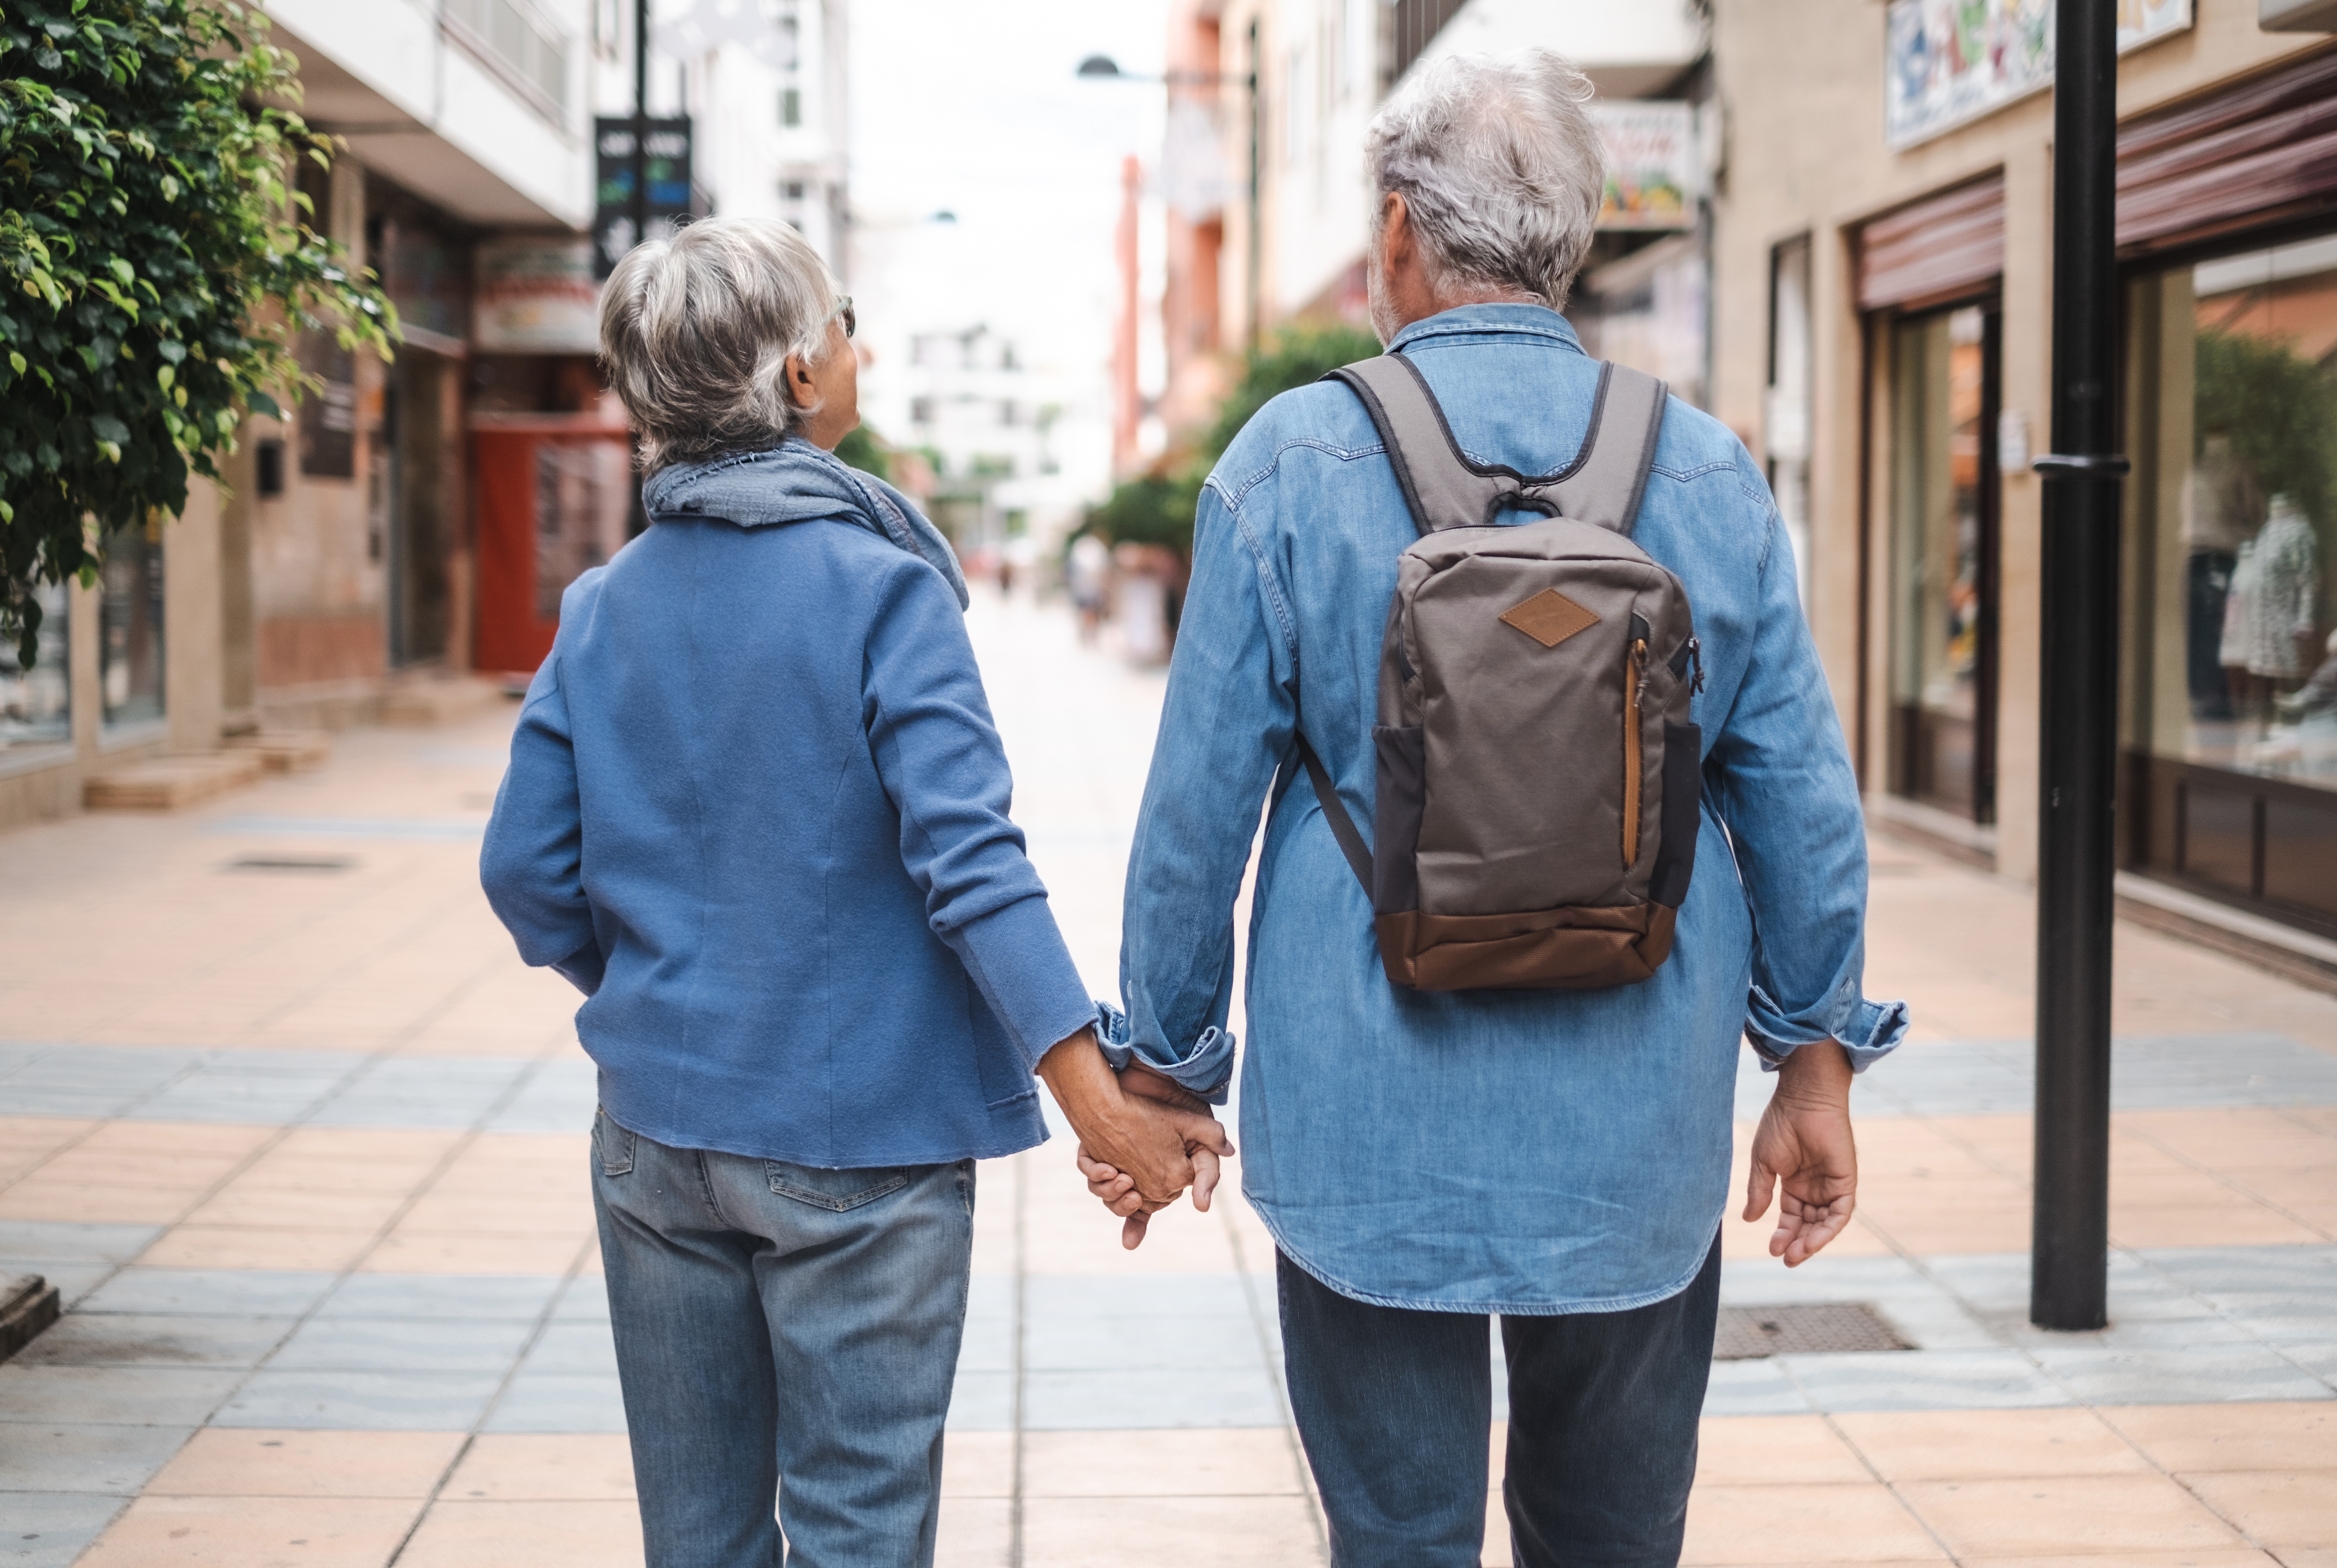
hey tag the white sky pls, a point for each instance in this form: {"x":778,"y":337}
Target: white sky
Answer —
{"x":976,"y":110}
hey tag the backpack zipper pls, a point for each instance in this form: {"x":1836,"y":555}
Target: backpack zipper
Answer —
{"x":1635,"y":685}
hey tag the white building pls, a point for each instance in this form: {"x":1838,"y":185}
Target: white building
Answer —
{"x":767,"y":83}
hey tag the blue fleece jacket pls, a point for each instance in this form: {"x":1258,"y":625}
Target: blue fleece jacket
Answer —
{"x":756,"y":811}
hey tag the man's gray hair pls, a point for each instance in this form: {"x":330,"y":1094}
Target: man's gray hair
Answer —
{"x":1500,"y":167}
{"x":696,"y":330}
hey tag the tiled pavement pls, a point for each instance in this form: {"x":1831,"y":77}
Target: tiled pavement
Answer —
{"x":305,"y":1149}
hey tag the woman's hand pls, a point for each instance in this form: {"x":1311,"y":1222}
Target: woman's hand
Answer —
{"x":1117,"y":1191}
{"x":1130,"y":1128}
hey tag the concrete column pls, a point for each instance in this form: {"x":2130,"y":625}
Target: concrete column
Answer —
{"x":190,"y":622}
{"x":2026,"y":384}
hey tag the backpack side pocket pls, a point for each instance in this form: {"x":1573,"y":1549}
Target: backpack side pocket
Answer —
{"x":1396,"y":810}
{"x":1683,"y":814}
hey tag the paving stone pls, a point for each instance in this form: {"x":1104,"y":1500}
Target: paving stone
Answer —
{"x":52,"y":1529}
{"x":560,"y":1402}
{"x":350,"y":1344}
{"x":207,"y":1292}
{"x":442,"y":1296}
{"x":67,"y":1456}
{"x":406,"y":1401}
{"x":111,"y":1396}
{"x":171,"y":1340}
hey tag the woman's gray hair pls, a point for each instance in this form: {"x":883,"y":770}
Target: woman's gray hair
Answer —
{"x":1500,"y":167}
{"x":696,"y":332}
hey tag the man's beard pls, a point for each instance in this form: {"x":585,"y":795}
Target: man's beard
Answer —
{"x":1383,"y":318}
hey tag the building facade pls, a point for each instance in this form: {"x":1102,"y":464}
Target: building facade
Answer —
{"x":1882,"y":315}
{"x":1268,"y":191}
{"x":409,"y":524}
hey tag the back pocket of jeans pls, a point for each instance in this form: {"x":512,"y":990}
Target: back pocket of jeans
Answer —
{"x":835,"y":1191}
{"x":612,"y":1144}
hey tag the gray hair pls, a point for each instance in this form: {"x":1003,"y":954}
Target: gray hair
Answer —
{"x":696,"y":332}
{"x":1500,"y":167}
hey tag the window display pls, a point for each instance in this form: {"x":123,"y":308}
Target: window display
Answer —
{"x":2254,"y":483}
{"x":130,"y":627}
{"x":2232,"y":707}
{"x":36,"y":704}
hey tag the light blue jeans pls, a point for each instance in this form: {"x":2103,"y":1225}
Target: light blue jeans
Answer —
{"x":782,"y":1332}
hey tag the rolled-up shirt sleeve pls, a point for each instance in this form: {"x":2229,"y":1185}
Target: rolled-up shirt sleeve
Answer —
{"x":1780,"y":779}
{"x":1227,"y":722}
{"x":939,"y":757}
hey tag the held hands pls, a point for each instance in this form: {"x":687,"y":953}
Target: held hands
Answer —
{"x":1804,"y":1142}
{"x":1152,"y":1138}
{"x":1119,"y":1192}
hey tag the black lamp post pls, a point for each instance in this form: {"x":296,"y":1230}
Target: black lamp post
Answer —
{"x":2075,"y":863}
{"x":1104,"y":68}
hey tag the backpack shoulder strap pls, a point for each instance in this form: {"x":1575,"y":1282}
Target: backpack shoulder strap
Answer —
{"x":1602,"y":486}
{"x":1440,"y":485}
{"x":1604,"y":483}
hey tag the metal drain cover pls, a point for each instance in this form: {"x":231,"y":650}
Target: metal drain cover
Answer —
{"x":1816,"y":1328}
{"x":291,"y":863}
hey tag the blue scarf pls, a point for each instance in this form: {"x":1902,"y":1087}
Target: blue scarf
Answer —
{"x":796,"y":482}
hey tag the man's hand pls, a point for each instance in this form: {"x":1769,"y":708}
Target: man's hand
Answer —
{"x":1117,"y":1192}
{"x":1144,"y":1141}
{"x":1804,"y":1142}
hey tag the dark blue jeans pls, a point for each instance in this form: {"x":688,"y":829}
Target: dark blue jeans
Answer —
{"x":783,"y":1333}
{"x":1394,"y":1407}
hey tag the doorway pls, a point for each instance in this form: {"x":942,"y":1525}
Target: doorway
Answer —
{"x":420,"y":503}
{"x":1944,"y":504}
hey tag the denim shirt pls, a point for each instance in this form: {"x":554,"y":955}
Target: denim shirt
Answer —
{"x":1516,"y":1151}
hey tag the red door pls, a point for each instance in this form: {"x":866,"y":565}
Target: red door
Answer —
{"x":554,"y":499}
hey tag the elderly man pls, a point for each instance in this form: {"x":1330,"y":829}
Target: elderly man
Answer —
{"x":1557,"y":1158}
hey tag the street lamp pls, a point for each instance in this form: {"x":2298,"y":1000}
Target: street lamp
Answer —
{"x":1104,"y":68}
{"x":2077,"y":846}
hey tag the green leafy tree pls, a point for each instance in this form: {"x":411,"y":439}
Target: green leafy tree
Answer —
{"x":861,"y":449}
{"x":1157,"y":508}
{"x":158,"y":269}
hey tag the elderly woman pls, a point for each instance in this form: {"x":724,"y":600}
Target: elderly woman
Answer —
{"x":756,"y":813}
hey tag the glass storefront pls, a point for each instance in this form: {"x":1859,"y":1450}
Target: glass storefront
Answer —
{"x":130,"y":627}
{"x":36,"y":704}
{"x":2231,"y":722}
{"x":1943,"y":507}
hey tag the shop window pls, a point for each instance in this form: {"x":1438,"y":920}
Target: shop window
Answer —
{"x":36,"y":704}
{"x":1943,"y":561}
{"x":130,"y":627}
{"x":1786,"y":417}
{"x":2232,"y":711}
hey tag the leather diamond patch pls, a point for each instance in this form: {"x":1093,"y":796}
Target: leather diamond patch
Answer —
{"x":1549,"y":617}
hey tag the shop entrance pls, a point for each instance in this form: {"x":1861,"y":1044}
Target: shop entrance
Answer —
{"x":1944,"y":524}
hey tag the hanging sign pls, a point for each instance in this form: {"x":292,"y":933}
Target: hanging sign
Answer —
{"x":1654,"y":172}
{"x":1950,"y":62}
{"x":665,"y":149}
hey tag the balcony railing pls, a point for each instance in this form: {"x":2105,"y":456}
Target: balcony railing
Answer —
{"x":522,"y":46}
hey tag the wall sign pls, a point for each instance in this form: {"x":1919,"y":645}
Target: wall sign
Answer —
{"x":1950,"y":62}
{"x":536,"y":296}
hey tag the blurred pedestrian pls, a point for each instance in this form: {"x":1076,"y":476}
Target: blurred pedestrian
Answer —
{"x":1088,"y":571}
{"x":756,"y":812}
{"x":1440,"y":1129}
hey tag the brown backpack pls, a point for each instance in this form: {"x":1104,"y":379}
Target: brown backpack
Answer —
{"x":1539,"y":780}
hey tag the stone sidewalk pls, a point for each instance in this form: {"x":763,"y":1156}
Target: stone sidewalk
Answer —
{"x":303,"y":1144}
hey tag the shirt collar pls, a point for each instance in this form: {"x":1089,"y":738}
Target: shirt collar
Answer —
{"x":1536,"y":320}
